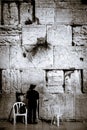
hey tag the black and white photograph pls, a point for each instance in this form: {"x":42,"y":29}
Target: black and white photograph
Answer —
{"x":43,"y":64}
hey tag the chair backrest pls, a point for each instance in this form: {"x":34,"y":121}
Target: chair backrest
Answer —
{"x":55,"y":109}
{"x":18,"y":108}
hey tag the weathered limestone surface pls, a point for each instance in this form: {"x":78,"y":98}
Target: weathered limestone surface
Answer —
{"x":63,"y":16}
{"x":80,"y":107}
{"x":80,"y":36}
{"x":10,"y":13}
{"x":42,"y":59}
{"x":50,"y":52}
{"x":25,"y":12}
{"x":69,"y":57}
{"x":4,"y":57}
{"x":0,"y":12}
{"x":45,"y":15}
{"x":85,"y":80}
{"x":31,"y":33}
{"x":59,"y":35}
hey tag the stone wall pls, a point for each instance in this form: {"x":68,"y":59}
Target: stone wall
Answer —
{"x":44,"y":42}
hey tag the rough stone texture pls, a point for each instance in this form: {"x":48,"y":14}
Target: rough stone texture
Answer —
{"x":80,"y":36}
{"x":25,"y":13}
{"x":69,"y":57}
{"x":42,"y":59}
{"x":9,"y":40}
{"x":59,"y":35}
{"x":55,"y":81}
{"x":4,"y":57}
{"x":10,"y":13}
{"x":45,"y":15}
{"x":59,"y":70}
{"x":0,"y":12}
{"x":80,"y":105}
{"x":63,"y":16}
{"x":79,"y":16}
{"x":31,"y":33}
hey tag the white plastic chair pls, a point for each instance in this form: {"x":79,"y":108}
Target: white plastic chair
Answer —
{"x":55,"y":112}
{"x":16,"y":111}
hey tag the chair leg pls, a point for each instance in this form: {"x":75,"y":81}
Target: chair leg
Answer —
{"x":26,"y":120}
{"x":57,"y":120}
{"x":14,"y":119}
{"x":51,"y":120}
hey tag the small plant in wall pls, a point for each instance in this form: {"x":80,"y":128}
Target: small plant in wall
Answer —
{"x":41,"y":46}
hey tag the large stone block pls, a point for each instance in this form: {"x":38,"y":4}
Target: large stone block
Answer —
{"x":4,"y":57}
{"x":32,"y":76}
{"x":45,"y":15}
{"x":80,"y":36}
{"x":69,"y":111}
{"x":16,"y":58}
{"x":59,"y":35}
{"x":63,"y":16}
{"x":43,"y":58}
{"x":80,"y":107}
{"x":79,"y":16}
{"x":68,"y":57}
{"x":20,"y":59}
{"x":31,"y":33}
{"x":55,"y":80}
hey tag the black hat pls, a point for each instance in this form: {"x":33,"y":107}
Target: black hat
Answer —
{"x":32,"y":86}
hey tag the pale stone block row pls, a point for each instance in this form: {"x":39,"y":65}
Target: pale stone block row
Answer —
{"x":46,"y":12}
{"x":20,"y":79}
{"x":42,"y":59}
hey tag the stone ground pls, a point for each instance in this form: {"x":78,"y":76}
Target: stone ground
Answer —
{"x":4,"y":125}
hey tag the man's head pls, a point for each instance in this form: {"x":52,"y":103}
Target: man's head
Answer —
{"x":32,"y":86}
